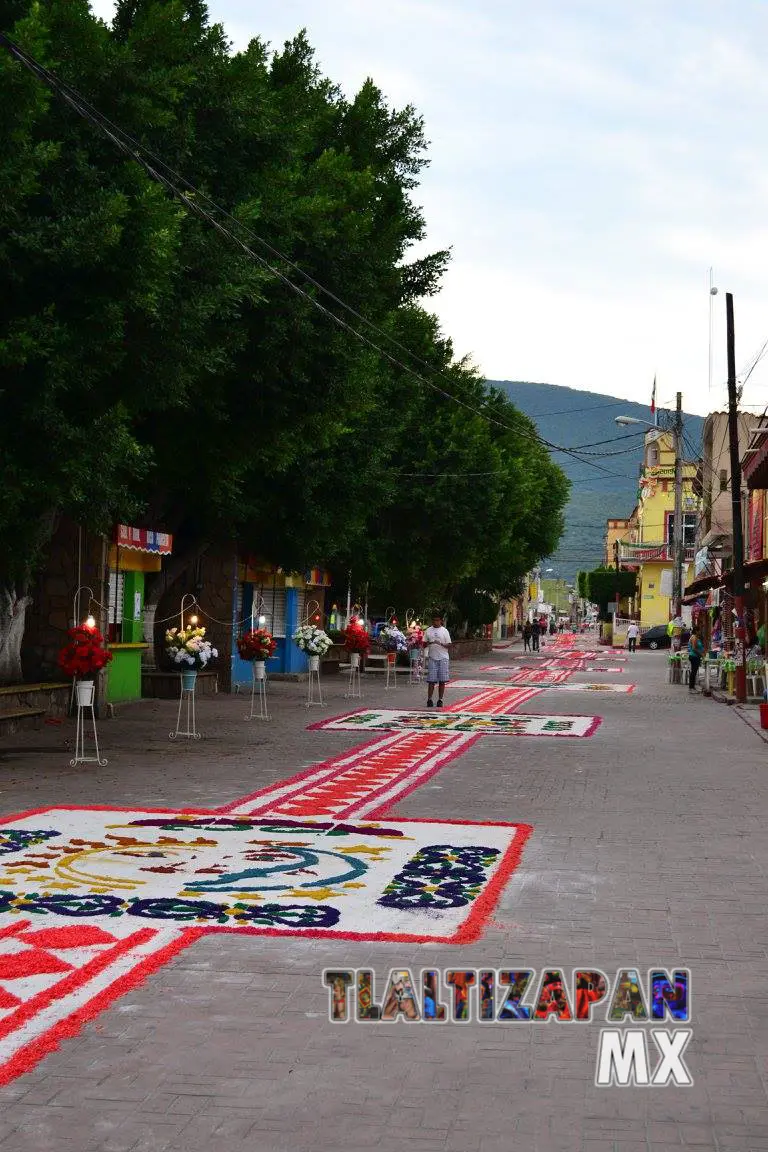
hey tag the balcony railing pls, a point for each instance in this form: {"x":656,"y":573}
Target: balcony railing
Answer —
{"x":638,"y":553}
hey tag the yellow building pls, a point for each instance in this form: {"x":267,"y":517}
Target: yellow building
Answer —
{"x":647,"y":546}
{"x":615,"y":531}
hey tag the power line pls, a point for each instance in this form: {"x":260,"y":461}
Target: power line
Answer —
{"x":193,"y":199}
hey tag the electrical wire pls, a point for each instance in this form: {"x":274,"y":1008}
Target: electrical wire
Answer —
{"x":194,"y":199}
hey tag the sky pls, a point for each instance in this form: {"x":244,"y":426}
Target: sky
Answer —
{"x":591,"y":160}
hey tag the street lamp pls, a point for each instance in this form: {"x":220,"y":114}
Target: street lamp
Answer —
{"x":634,"y":420}
{"x":677,"y":523}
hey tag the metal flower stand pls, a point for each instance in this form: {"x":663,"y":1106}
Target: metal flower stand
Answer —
{"x":187,"y":696}
{"x":314,"y":691}
{"x":391,"y":671}
{"x":84,"y":695}
{"x":416,"y":660}
{"x":259,"y":693}
{"x":354,"y":689}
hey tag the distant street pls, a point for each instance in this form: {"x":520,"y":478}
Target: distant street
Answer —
{"x":648,"y":848}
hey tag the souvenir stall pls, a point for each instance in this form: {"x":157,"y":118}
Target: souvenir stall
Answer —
{"x":133,"y":553}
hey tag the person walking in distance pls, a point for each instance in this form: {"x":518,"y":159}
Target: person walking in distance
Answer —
{"x":632,"y":634}
{"x":526,"y":636}
{"x":438,"y":641}
{"x":535,"y":633}
{"x":695,"y":655}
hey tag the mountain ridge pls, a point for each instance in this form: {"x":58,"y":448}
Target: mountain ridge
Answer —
{"x":603,"y":486}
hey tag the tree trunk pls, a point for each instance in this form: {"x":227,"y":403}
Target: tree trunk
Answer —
{"x":13,"y":611}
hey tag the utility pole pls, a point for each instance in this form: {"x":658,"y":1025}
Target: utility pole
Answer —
{"x":738,"y":534}
{"x":677,"y":524}
{"x":616,"y":563}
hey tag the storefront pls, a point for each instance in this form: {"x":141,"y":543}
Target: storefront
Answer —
{"x":133,"y":553}
{"x":267,"y":597}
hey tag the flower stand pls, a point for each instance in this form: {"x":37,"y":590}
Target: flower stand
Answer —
{"x":354,"y":690}
{"x":187,"y":696}
{"x":391,"y":681}
{"x":259,"y":692}
{"x":314,"y":691}
{"x":85,"y":691}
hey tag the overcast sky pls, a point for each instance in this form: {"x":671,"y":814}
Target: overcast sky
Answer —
{"x":590,"y":160}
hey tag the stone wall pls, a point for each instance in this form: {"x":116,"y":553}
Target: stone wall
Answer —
{"x":53,"y":590}
{"x":461,"y":649}
{"x":211,"y":580}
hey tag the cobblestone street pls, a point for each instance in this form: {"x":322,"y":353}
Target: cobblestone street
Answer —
{"x":648,"y":849}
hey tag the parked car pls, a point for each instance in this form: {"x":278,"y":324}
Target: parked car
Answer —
{"x":655,"y":637}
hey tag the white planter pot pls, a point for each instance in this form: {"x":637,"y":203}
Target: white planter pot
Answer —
{"x":354,"y":659}
{"x":259,"y":669}
{"x":84,"y":691}
{"x":314,"y":663}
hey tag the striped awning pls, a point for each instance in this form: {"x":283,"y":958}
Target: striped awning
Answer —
{"x":317,"y":578}
{"x":143,"y":540}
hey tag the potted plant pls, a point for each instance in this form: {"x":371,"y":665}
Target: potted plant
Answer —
{"x":392,"y":640}
{"x":356,"y":641}
{"x":314,"y":642}
{"x":729,"y":667}
{"x":415,"y":641}
{"x":82,"y":657}
{"x":257,"y":645}
{"x":675,"y":667}
{"x":188,"y":649}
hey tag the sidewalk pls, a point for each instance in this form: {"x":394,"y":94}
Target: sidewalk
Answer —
{"x":648,"y":848}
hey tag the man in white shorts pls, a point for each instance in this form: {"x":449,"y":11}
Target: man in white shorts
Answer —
{"x":438,"y":641}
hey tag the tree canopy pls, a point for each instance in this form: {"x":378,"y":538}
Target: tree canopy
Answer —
{"x":151,"y":368}
{"x":602,"y":584}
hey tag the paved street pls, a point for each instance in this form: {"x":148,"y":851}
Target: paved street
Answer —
{"x":648,"y":849}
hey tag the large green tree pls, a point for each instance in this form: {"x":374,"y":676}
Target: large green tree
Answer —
{"x":150,"y":365}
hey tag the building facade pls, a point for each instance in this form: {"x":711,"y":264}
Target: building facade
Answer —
{"x":647,"y":547}
{"x":616,"y":530}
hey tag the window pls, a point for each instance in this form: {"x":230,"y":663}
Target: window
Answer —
{"x":652,"y":456}
{"x":690,"y":520}
{"x":723,"y":480}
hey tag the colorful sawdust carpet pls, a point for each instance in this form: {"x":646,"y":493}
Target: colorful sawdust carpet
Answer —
{"x":556,"y":686}
{"x":520,"y":724}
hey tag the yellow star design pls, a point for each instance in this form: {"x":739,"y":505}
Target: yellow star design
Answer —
{"x":315,"y":893}
{"x":358,"y":849}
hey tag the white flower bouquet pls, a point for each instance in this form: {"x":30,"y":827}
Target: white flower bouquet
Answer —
{"x":188,"y":648}
{"x":312,"y":640}
{"x":392,"y":639}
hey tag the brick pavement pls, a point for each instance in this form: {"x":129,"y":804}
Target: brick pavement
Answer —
{"x":648,"y":847}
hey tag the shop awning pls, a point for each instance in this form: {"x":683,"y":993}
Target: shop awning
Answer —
{"x":699,"y":587}
{"x":143,"y":540}
{"x":317,"y":578}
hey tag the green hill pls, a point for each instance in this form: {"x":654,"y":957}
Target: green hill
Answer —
{"x":602,"y":486}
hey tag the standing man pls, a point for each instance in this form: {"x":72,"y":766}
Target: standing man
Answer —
{"x":438,"y":641}
{"x":535,"y":633}
{"x":632,"y":634}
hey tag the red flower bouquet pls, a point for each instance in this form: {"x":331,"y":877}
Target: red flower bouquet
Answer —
{"x":356,"y":639}
{"x":84,"y":653}
{"x":258,"y":644}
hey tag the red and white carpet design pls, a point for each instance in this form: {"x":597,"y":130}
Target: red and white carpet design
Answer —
{"x":93,"y":900}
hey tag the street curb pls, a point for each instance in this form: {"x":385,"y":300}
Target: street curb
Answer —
{"x":748,"y":720}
